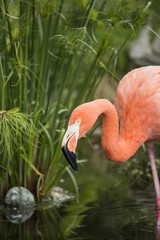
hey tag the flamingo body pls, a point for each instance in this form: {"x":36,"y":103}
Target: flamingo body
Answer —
{"x":138,"y":104}
{"x":133,"y":119}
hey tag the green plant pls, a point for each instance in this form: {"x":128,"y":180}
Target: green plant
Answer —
{"x":53,"y":56}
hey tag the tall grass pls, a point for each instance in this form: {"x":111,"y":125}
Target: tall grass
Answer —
{"x":53,"y":56}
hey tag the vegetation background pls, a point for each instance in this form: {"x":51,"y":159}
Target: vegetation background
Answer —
{"x":53,"y":56}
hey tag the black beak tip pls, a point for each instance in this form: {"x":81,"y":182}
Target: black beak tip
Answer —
{"x":70,"y":157}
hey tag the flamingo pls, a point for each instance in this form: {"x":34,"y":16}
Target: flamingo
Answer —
{"x":126,"y":125}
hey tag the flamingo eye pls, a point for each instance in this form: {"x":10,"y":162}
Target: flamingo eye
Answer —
{"x":78,"y":121}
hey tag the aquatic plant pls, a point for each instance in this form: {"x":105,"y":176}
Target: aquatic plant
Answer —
{"x":53,"y":56}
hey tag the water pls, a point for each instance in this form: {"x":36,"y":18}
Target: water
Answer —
{"x":108,"y":209}
{"x":123,"y":220}
{"x":110,"y":217}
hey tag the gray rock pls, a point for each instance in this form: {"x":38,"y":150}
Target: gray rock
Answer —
{"x":19,"y":197}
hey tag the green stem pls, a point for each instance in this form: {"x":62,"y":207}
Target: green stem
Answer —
{"x":12,"y":46}
{"x":9,"y":28}
{"x":2,"y":80}
{"x":58,"y":17}
{"x":89,"y":12}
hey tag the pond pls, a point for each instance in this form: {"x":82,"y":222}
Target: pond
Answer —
{"x":106,"y":218}
{"x":107,"y":209}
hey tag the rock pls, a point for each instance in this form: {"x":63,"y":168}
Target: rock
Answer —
{"x":56,"y":197}
{"x":19,"y":197}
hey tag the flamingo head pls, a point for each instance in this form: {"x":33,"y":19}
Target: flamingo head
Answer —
{"x":81,"y":120}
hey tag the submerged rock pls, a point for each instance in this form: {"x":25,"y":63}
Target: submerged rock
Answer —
{"x":57,"y":196}
{"x":19,"y":197}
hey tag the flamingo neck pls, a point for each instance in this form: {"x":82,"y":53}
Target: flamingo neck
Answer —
{"x":116,"y":146}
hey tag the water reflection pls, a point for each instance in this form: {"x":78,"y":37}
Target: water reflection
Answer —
{"x":108,"y":210}
{"x":110,"y":217}
{"x":127,"y":219}
{"x":42,"y":224}
{"x":18,"y":216}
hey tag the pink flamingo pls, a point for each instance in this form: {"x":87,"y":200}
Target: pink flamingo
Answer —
{"x":133,"y":120}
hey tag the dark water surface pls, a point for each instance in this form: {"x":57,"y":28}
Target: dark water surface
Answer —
{"x":105,"y":218}
{"x":119,"y":220}
{"x":116,"y":213}
{"x":108,"y":209}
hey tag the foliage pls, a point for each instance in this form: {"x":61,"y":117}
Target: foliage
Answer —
{"x":138,"y":168}
{"x":53,"y":56}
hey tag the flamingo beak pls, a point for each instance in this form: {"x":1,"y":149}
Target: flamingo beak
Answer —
{"x":69,"y":145}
